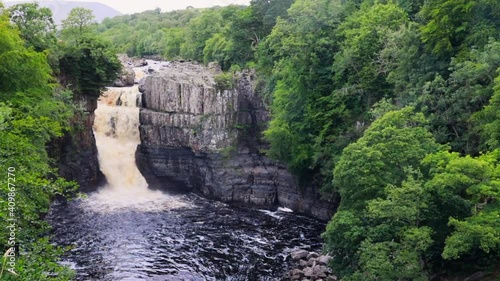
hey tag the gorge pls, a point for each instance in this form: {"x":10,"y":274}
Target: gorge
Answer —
{"x":210,"y":165}
{"x":126,"y":231}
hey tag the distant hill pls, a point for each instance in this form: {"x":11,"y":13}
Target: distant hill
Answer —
{"x":61,"y":9}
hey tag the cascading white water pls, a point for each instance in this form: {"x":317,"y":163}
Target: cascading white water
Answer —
{"x":117,"y":136}
{"x":116,"y":129}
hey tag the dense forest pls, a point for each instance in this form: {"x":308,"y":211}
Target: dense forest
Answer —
{"x":36,"y":107}
{"x":391,"y":106}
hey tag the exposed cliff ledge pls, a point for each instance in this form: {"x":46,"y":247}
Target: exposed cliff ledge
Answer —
{"x":198,"y":136}
{"x":77,"y":152}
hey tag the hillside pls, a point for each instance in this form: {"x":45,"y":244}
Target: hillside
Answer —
{"x":61,"y":9}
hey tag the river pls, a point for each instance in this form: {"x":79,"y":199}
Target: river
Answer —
{"x":126,"y":231}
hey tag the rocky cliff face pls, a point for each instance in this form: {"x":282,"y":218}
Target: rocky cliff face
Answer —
{"x":204,"y":136}
{"x":77,"y":151}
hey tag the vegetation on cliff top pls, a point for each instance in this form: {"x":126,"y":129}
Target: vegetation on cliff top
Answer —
{"x":35,"y":109}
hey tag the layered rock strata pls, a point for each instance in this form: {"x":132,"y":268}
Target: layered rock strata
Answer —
{"x":201,"y":131}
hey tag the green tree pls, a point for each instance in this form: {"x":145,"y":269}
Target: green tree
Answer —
{"x":393,"y":142}
{"x":198,"y":31}
{"x":87,"y":61}
{"x":217,"y":49}
{"x":297,"y":56}
{"x":31,"y":114}
{"x":35,"y":24}
{"x":172,"y":41}
{"x":240,"y":36}
{"x":80,"y":21}
{"x":454,"y":25}
{"x":364,"y":35}
{"x":397,"y":242}
{"x":89,"y":66}
{"x":374,"y":167}
{"x":488,"y":119}
{"x":449,"y":104}
{"x":473,"y":185}
{"x":268,"y":11}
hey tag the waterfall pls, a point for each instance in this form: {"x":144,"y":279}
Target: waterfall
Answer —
{"x":116,"y":129}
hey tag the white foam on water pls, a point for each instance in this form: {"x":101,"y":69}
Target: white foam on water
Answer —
{"x":271,"y":213}
{"x":285,"y":210}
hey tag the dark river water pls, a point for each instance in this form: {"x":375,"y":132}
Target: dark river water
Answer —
{"x":183,"y":237}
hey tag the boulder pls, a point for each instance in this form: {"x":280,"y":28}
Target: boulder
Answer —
{"x":320,"y":271}
{"x":296,"y":274}
{"x":300,"y":254}
{"x":308,"y":272}
{"x":323,"y":260}
{"x":312,"y":255}
{"x":139,"y":62}
{"x":126,"y":78}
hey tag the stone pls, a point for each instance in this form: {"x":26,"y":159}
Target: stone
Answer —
{"x":312,"y":255}
{"x":141,"y":63}
{"x":302,"y":263}
{"x":126,"y":78}
{"x":131,"y":62}
{"x":308,"y":272}
{"x":311,"y":262}
{"x":214,"y":66}
{"x":323,"y":260}
{"x":320,"y":271}
{"x":299,"y":254}
{"x":297,"y":274}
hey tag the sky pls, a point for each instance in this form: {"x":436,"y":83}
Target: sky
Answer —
{"x":136,"y":6}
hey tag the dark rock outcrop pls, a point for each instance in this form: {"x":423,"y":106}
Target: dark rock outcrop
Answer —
{"x":204,"y":136}
{"x":76,"y":151}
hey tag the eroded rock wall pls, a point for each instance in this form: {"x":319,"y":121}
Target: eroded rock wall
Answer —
{"x":76,"y":151}
{"x":199,"y":136}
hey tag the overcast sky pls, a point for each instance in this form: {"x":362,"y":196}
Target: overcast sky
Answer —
{"x":135,"y":6}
